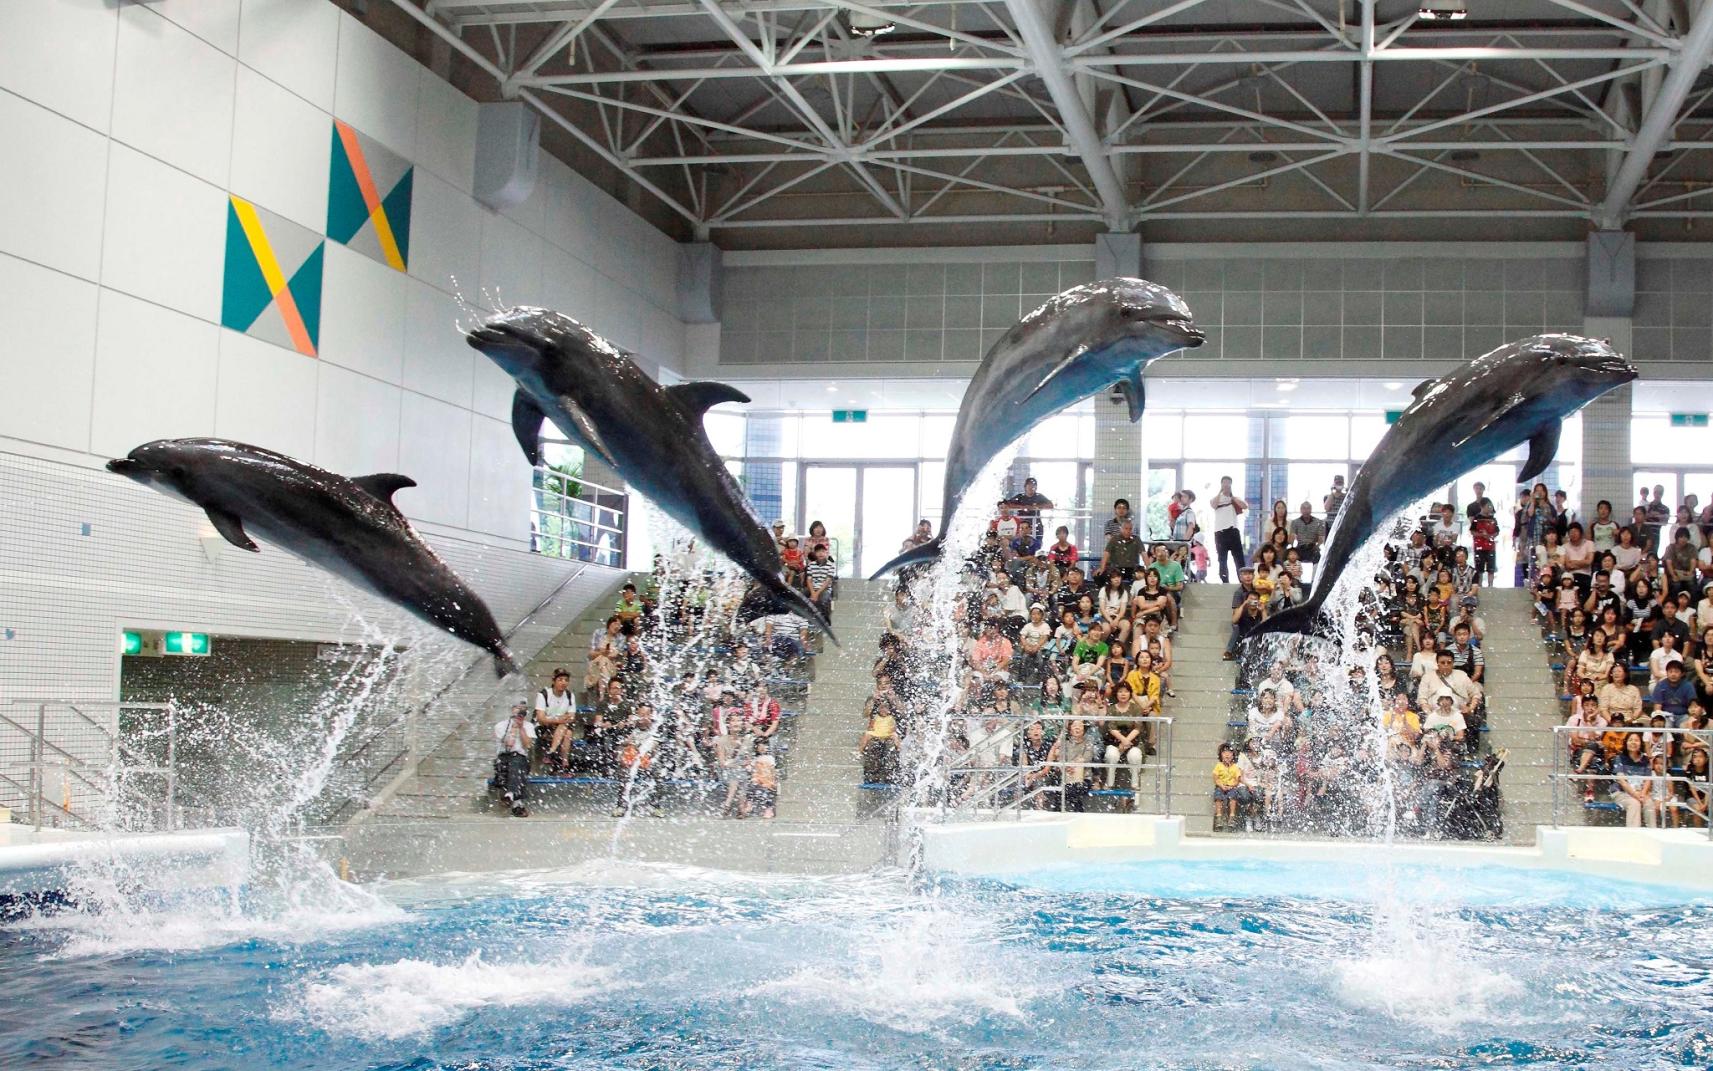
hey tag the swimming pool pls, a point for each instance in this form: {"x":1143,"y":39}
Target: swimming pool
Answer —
{"x":1170,"y":965}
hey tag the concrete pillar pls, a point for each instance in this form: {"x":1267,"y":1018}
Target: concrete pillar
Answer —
{"x":700,"y":290}
{"x":1606,"y":466}
{"x":1118,"y":459}
{"x":1117,"y":254}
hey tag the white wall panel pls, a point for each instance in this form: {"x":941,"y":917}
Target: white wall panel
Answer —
{"x":437,"y":360}
{"x":295,"y":43}
{"x":356,"y":423}
{"x":511,"y":263}
{"x":215,"y":21}
{"x":499,"y":481}
{"x":565,"y":220}
{"x":445,"y":236}
{"x":154,"y":375}
{"x":567,"y":284}
{"x":362,"y":314}
{"x":52,"y":207}
{"x":266,"y":396}
{"x":60,"y":55}
{"x":172,"y":95}
{"x":165,"y":234}
{"x":50,"y":347}
{"x":377,"y":89}
{"x":445,"y":131}
{"x":531,"y":214}
{"x":435,"y":438}
{"x":493,"y":390}
{"x":281,"y":146}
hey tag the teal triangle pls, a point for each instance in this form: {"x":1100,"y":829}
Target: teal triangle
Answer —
{"x":346,"y":210}
{"x":305,"y":287}
{"x":397,"y":207}
{"x":244,"y":292}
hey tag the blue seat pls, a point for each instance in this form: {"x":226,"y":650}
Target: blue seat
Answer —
{"x":1112,"y":792}
{"x":877,"y":786}
{"x":1601,"y":805}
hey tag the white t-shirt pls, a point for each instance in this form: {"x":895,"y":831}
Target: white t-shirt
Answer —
{"x":1011,"y":600}
{"x":554,"y":706}
{"x":1657,"y":661}
{"x":1032,"y":630}
{"x":1260,"y":722}
{"x":1436,"y":720}
{"x":520,"y":742}
{"x":1224,"y":512}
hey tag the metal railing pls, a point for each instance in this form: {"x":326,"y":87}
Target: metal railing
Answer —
{"x":587,"y":526}
{"x":1566,"y":779}
{"x":65,"y":764}
{"x":992,"y":792}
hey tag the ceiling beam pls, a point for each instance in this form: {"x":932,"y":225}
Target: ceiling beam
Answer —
{"x":1660,"y":120}
{"x":1050,"y":64}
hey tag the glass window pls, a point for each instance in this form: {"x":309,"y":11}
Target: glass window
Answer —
{"x":1216,"y":435}
{"x":1365,"y":434}
{"x":1085,"y":435}
{"x":881,"y":435}
{"x":1162,"y":436}
{"x":726,"y":431}
{"x":936,"y":434}
{"x":930,"y":488}
{"x":1054,"y":437}
{"x":1309,"y":437}
{"x":1654,"y":441}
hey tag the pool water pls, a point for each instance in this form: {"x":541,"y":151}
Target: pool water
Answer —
{"x":1187,"y":966}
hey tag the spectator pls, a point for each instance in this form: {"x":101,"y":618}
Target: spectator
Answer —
{"x":819,"y":577}
{"x":1185,"y":524}
{"x":556,"y":714}
{"x":1672,"y":695}
{"x":1029,"y":504}
{"x":1123,"y":553}
{"x":1074,"y":754}
{"x":1227,"y":536}
{"x":1123,"y":745}
{"x":1063,"y":553}
{"x":1632,"y":783}
{"x":1246,"y":611}
{"x":878,"y":746}
{"x":1334,"y":500}
{"x":763,"y":781}
{"x":1309,"y":533}
{"x":923,"y":535}
{"x":629,"y":607}
{"x":1228,"y":790}
{"x":515,"y":740}
{"x":1115,"y":523}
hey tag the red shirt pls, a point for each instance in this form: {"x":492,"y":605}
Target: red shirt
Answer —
{"x":1064,"y":557}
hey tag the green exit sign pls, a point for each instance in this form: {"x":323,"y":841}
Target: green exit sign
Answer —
{"x":185,"y":643}
{"x":850,"y":416}
{"x":1392,"y":415}
{"x":131,"y":643}
{"x":1689,"y":420}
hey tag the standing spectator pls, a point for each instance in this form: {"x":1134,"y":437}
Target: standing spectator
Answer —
{"x":1334,"y":500}
{"x":1604,"y":531}
{"x":1029,"y":505}
{"x":1227,"y":533}
{"x":1246,"y":611}
{"x":1309,"y":533}
{"x":1185,"y":524}
{"x":515,"y":739}
{"x":763,"y":781}
{"x":1120,"y":514}
{"x":1484,"y":537}
{"x":1479,"y":504}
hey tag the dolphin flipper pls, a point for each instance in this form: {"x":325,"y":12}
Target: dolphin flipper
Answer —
{"x":231,"y":527}
{"x":1542,"y":449}
{"x":504,"y":663}
{"x":927,"y":552}
{"x":1304,"y":619}
{"x":1135,"y":395}
{"x":801,"y":605}
{"x":383,"y":485}
{"x":698,"y":397}
{"x":526,"y":425}
{"x":583,"y":431}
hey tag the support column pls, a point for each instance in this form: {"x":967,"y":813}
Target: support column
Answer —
{"x":1606,"y":466}
{"x":1118,"y":462}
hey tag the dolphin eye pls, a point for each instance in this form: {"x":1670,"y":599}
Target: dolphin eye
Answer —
{"x":1561,"y":359}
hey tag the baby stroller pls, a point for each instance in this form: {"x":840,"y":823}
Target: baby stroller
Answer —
{"x":1475,"y":812}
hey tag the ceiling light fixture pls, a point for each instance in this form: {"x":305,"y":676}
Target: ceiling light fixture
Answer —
{"x":865,"y":25}
{"x":1393,"y":386}
{"x":1442,"y":11}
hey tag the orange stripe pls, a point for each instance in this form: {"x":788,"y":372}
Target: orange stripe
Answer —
{"x":294,"y":323}
{"x":277,"y":282}
{"x":371,"y":195}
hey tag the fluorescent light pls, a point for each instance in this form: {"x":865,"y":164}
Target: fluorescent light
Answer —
{"x":1393,"y":386}
{"x":1286,"y":386}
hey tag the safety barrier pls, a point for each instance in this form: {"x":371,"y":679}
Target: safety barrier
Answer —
{"x":1008,"y":790}
{"x":1565,"y":779}
{"x":586,"y":526}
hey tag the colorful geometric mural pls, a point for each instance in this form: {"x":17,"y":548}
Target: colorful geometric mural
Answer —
{"x":272,"y":288}
{"x":368,"y":198}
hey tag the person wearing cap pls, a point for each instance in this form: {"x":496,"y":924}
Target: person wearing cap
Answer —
{"x":1029,"y":664}
{"x":792,"y":556}
{"x":779,"y":534}
{"x":556,"y":717}
{"x":923,"y":535}
{"x":514,"y":739}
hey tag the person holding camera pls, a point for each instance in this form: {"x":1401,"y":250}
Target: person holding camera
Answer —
{"x":514,"y":737}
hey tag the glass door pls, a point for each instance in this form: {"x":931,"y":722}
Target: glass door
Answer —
{"x":868,"y":511}
{"x":1156,"y":516}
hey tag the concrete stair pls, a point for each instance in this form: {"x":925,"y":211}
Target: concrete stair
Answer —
{"x":1203,"y":681}
{"x":1522,"y":709}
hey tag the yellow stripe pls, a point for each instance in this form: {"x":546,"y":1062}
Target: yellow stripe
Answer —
{"x":389,"y":244}
{"x":259,"y":245}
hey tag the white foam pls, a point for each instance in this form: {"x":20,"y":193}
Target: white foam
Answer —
{"x":922,"y":970}
{"x":383,"y":1001}
{"x":1423,"y":967}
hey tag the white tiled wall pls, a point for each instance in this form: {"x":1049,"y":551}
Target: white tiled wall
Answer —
{"x":126,"y":126}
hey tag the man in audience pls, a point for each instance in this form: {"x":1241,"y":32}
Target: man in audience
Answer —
{"x":1246,"y":611}
{"x":1309,"y":532}
{"x":1227,"y":535}
{"x":1334,"y":500}
{"x":1029,"y":503}
{"x":556,"y":715}
{"x":514,"y":738}
{"x":1120,"y":514}
{"x":923,"y":535}
{"x":1123,"y":553}
{"x":1465,"y":655}
{"x":1672,"y":695}
{"x":1446,"y":678}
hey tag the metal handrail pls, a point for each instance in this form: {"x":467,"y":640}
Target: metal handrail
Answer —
{"x":1161,"y":769}
{"x":100,"y":778}
{"x":1561,"y":776}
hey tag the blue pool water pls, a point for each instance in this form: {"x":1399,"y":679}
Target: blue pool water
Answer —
{"x":1163,"y":966}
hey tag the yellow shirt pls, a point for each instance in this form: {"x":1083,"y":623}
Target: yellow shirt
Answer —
{"x":1140,"y":685}
{"x":1226,"y":775}
{"x":882,"y":727}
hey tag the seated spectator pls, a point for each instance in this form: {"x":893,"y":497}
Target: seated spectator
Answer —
{"x":1445,"y":719}
{"x":1632,"y":783}
{"x":1228,"y":789}
{"x":1124,"y":744}
{"x":878,"y":746}
{"x":1063,"y":553}
{"x":923,"y":535}
{"x":1618,"y":697}
{"x":1692,"y":808}
{"x":763,"y":781}
{"x":1446,"y":679}
{"x":1673,"y":695}
{"x":1269,"y":722}
{"x":1075,"y":750}
{"x":819,"y":577}
{"x":556,"y":716}
{"x":629,"y":608}
{"x":514,"y":738}
{"x":1033,"y":757}
{"x":1123,"y":553}
{"x":1246,"y":611}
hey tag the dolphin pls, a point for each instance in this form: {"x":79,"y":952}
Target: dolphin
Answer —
{"x":1521,"y":391}
{"x":349,"y":527}
{"x":1079,"y":343}
{"x":596,"y":394}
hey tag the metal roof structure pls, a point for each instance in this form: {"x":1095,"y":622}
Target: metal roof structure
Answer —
{"x":1278,"y":117}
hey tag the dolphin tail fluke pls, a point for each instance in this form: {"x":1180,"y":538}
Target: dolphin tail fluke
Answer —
{"x":801,"y":605}
{"x":504,"y":664}
{"x":1306,"y":620}
{"x":927,"y":552}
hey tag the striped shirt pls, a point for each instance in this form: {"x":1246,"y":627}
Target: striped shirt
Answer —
{"x":821,"y":574}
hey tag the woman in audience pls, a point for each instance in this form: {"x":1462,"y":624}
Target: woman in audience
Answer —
{"x":1692,"y":808}
{"x":1113,"y":607}
{"x":1618,"y":697}
{"x":1588,"y":724}
{"x":1075,"y":748}
{"x":1632,"y":783}
{"x":1593,"y":664}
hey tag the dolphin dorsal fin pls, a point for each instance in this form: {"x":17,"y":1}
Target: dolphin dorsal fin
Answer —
{"x":698,"y":397}
{"x":1421,"y":389}
{"x":383,"y":485}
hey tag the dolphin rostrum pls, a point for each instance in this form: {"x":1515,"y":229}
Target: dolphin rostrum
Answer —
{"x":1521,"y":391}
{"x":1077,"y":344}
{"x":596,"y":394}
{"x":349,"y":527}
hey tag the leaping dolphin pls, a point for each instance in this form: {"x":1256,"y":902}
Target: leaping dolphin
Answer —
{"x":652,"y":435}
{"x":1077,"y":344}
{"x":1521,"y":391}
{"x":349,"y":527}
